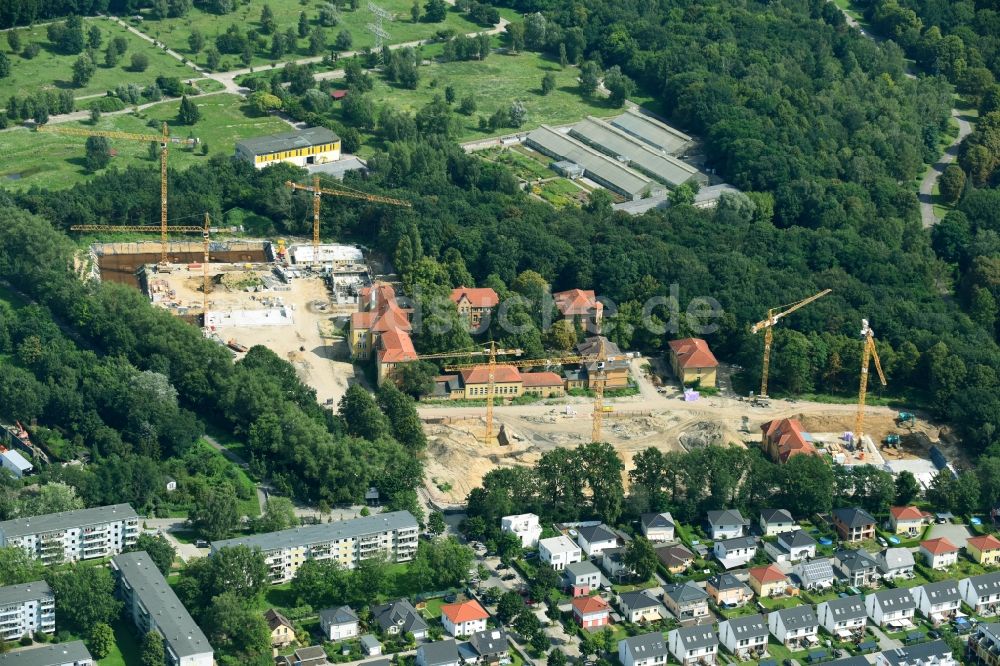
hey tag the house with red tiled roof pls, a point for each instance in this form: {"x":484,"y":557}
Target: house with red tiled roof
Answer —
{"x":464,"y":618}
{"x":984,"y":549}
{"x":544,"y":384}
{"x":693,"y":362}
{"x":768,"y":581}
{"x":474,"y":303}
{"x":591,"y":612}
{"x":394,"y":347}
{"x":907,"y":520}
{"x":381,"y":327}
{"x":784,"y":438}
{"x":580,"y":306}
{"x":939,"y":553}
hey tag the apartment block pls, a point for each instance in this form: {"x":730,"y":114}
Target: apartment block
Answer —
{"x":68,"y":536}
{"x":72,"y":653}
{"x":26,"y":610}
{"x":151,"y":605}
{"x":393,"y":535}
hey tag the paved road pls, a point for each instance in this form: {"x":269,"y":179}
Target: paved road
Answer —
{"x":926,"y":195}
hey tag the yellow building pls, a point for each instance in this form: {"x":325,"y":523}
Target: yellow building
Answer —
{"x":282,"y":631}
{"x":692,"y":361}
{"x":313,"y":145}
{"x":768,"y":581}
{"x":984,"y":549}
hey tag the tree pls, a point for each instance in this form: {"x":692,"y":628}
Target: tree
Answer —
{"x":681,"y":195}
{"x":515,"y":35}
{"x":641,"y":558}
{"x":84,"y":597}
{"x":518,"y":113}
{"x":535,"y":29}
{"x":548,"y":83}
{"x":69,"y":35}
{"x":545,"y":580}
{"x":140,"y":61}
{"x":317,"y":41}
{"x":17,"y":567}
{"x":83,"y":71}
{"x":435,"y":11}
{"x":619,"y":85}
{"x":236,"y":627}
{"x":4,"y":66}
{"x":94,"y":37}
{"x":467,"y":106}
{"x":53,"y":497}
{"x":158,"y":549}
{"x":907,"y":488}
{"x":416,"y":379}
{"x":556,"y":658}
{"x":415,"y":11}
{"x":509,"y":606}
{"x":188,"y":114}
{"x":951,"y":183}
{"x":100,"y":640}
{"x":435,"y":523}
{"x":196,"y":41}
{"x":527,"y":623}
{"x":563,"y":59}
{"x":214,"y":513}
{"x":599,"y":202}
{"x":303,"y":25}
{"x":449,"y":94}
{"x":95,"y":113}
{"x":806,"y":485}
{"x":267,"y":22}
{"x":590,"y":77}
{"x":263,"y":102}
{"x":153,"y":653}
{"x":343,"y":41}
{"x":279,"y":514}
{"x":14,"y":40}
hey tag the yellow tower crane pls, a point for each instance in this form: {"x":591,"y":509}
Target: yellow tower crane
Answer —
{"x":183,"y":229}
{"x":868,"y":353}
{"x":163,"y":139}
{"x":318,"y":192}
{"x":774,"y":315}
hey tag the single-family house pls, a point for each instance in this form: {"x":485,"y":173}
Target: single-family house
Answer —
{"x":474,"y":303}
{"x":685,"y":600}
{"x":934,"y":653}
{"x":844,"y":617}
{"x":338,"y":623}
{"x":645,"y":650}
{"x":400,"y":617}
{"x":726,"y":524}
{"x":580,"y":306}
{"x":524,"y":526}
{"x":908,"y":520}
{"x":559,"y":551}
{"x":676,"y":558}
{"x":938,"y":553}
{"x":984,"y":549}
{"x":745,"y":637}
{"x":891,"y":608}
{"x":489,"y":648}
{"x":637,"y":607}
{"x":728,"y":591}
{"x":784,"y":438}
{"x":768,"y":581}
{"x":735,"y":552}
{"x":693,"y":362}
{"x":854,"y":524}
{"x":580,"y":578}
{"x":591,"y":612}
{"x":282,"y":631}
{"x":694,"y":645}
{"x":938,"y":602}
{"x":795,"y":627}
{"x":658,"y":526}
{"x":438,"y":653}
{"x":895,"y":563}
{"x":595,"y":539}
{"x":858,"y":567}
{"x":775,"y":521}
{"x":791,"y":547}
{"x":463,"y":618}
{"x":984,"y":644}
{"x":982,"y":593}
{"x":614,"y":564}
{"x":370,"y":646}
{"x":816,"y":574}
{"x":313,"y":655}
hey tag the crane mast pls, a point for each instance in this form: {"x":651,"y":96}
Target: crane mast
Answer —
{"x":868,"y":354}
{"x":774,"y":315}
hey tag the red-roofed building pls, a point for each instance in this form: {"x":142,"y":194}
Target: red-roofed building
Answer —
{"x":507,"y":381}
{"x":591,"y":612}
{"x":984,"y":549}
{"x":545,"y":384}
{"x":908,"y":520}
{"x":473,"y":304}
{"x":463,"y":618}
{"x":784,"y":438}
{"x":768,"y":581}
{"x":382,"y":327}
{"x":580,"y":306}
{"x":939,"y":553}
{"x":693,"y":362}
{"x":338,"y":94}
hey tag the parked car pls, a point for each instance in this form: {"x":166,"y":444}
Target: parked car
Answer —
{"x":201,"y":543}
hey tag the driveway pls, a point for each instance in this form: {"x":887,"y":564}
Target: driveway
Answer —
{"x":957,"y":534}
{"x":884,"y":642}
{"x":166,"y":526}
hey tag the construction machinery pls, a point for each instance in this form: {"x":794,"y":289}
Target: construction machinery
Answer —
{"x":907,"y":419}
{"x":163,"y":140}
{"x":868,"y":354}
{"x":774,"y":315}
{"x":318,"y":192}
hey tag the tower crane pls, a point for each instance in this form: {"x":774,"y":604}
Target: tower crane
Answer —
{"x":163,"y":139}
{"x":318,"y":192}
{"x":774,"y":315}
{"x":868,"y":353}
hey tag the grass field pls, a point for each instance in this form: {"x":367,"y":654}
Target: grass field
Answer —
{"x":51,"y":70}
{"x":174,"y":32}
{"x":495,"y":83}
{"x":52,"y":160}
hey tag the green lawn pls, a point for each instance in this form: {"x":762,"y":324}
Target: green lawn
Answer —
{"x":126,"y":650}
{"x":494,"y":83}
{"x":174,"y":32}
{"x":51,"y":70}
{"x":53,"y":160}
{"x":561,"y":192}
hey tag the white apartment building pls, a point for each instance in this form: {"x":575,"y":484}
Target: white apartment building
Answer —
{"x":393,"y":535}
{"x":151,"y":605}
{"x":83,"y":534}
{"x":26,"y":610}
{"x":525,"y":526}
{"x":559,"y":551}
{"x":71,"y":653}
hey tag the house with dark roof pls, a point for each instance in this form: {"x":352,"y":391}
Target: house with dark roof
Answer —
{"x":694,"y":645}
{"x":580,"y":578}
{"x":312,"y":145}
{"x":934,"y":653}
{"x":314,"y":655}
{"x":614,"y":563}
{"x":438,"y":653}
{"x":795,"y":627}
{"x":645,"y":650}
{"x":638,"y":607}
{"x":685,"y":600}
{"x":370,"y":645}
{"x":844,"y":617}
{"x":816,"y":574}
{"x":400,"y":617}
{"x":984,"y":644}
{"x":693,"y":362}
{"x":982,"y":593}
{"x":745,"y":637}
{"x":854,"y":524}
{"x":488,"y":647}
{"x":595,"y":539}
{"x":676,"y":558}
{"x":658,"y":526}
{"x":70,"y":653}
{"x":338,"y":623}
{"x":282,"y":631}
{"x":938,"y":602}
{"x":776,"y":521}
{"x":893,"y":608}
{"x":615,"y":368}
{"x":728,"y":591}
{"x":858,"y":567}
{"x":735,"y":552}
{"x":791,"y":547}
{"x":726,"y":524}
{"x":895,"y":563}
{"x":784,"y":438}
